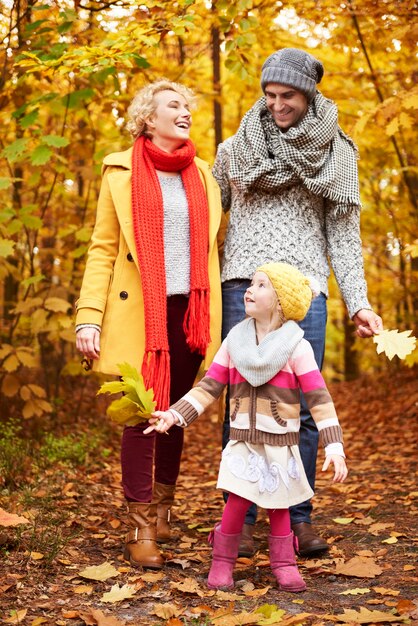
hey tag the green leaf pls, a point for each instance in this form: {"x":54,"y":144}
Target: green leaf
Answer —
{"x":29,"y":119}
{"x":55,"y":140}
{"x":31,"y":221}
{"x":137,"y":404}
{"x":15,"y":150}
{"x":124,"y":411}
{"x":41,"y":155}
{"x":6,"y":247}
{"x":5,"y":182}
{"x":33,"y":280}
{"x":74,"y":99}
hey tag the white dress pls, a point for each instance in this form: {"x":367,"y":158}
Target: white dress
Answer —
{"x":272,"y":477}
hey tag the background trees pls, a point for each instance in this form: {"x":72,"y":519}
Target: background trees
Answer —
{"x":68,"y":72}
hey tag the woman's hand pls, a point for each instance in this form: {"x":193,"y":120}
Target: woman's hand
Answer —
{"x":340,"y":468}
{"x":161,"y":421}
{"x":88,"y":342}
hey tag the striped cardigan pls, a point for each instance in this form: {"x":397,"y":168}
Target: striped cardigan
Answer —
{"x":269,"y":413}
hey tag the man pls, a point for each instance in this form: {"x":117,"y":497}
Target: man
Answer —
{"x":289,"y":179}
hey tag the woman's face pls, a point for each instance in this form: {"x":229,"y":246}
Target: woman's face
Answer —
{"x":170,"y":124}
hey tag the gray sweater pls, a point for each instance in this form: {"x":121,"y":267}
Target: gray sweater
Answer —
{"x":296,"y":227}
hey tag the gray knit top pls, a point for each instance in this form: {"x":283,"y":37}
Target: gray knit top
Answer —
{"x":176,"y":235}
{"x":296,"y":227}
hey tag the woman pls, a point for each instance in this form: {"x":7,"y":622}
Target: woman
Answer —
{"x":151,"y":292}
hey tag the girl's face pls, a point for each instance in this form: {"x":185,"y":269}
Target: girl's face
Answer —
{"x":170,"y":124}
{"x":260,"y":299}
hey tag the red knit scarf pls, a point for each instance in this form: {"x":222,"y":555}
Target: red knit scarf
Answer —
{"x":148,"y":224}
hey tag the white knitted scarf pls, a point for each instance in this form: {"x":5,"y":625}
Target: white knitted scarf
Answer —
{"x":316,"y":153}
{"x":258,"y":363}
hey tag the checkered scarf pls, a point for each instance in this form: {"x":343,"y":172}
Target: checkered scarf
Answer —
{"x":316,"y":153}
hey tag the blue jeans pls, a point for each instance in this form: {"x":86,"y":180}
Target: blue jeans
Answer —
{"x":314,"y":326}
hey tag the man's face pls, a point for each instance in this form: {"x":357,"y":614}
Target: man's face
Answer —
{"x":286,"y":104}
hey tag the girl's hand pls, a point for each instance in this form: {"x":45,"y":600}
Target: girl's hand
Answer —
{"x":340,"y":468}
{"x":161,"y":421}
{"x":88,"y":342}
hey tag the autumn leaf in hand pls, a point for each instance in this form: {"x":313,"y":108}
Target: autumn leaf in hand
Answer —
{"x":137,"y":403}
{"x":392,"y":343}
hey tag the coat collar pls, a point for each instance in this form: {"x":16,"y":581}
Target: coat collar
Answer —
{"x":122,"y":159}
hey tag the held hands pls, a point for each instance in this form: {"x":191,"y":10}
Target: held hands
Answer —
{"x":88,"y":342}
{"x":340,"y":468}
{"x":368,"y":323}
{"x":161,"y":421}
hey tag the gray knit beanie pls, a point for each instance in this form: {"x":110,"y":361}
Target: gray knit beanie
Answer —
{"x":295,"y":68}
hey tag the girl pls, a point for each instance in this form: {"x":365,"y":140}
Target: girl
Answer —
{"x":266,"y":362}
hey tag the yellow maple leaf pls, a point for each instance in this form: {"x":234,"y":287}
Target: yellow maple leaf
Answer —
{"x":392,"y":343}
{"x":355,"y":592}
{"x":116,"y":594}
{"x":99,"y":572}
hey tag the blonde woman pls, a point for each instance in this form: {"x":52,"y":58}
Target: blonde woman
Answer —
{"x":151,"y":292}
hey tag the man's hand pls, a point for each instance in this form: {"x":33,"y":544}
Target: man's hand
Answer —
{"x":340,"y":468}
{"x":368,"y":323}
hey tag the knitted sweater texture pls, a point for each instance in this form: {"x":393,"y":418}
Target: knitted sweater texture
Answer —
{"x":296,"y":227}
{"x":269,"y":413}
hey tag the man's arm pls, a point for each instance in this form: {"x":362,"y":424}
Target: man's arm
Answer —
{"x":346,"y":258}
{"x":220,"y":172}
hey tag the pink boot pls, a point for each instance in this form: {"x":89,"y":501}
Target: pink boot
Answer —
{"x":283,"y":563}
{"x":224,"y":555}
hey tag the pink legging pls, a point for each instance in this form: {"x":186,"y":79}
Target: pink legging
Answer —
{"x":141,"y":452}
{"x":235,"y":509}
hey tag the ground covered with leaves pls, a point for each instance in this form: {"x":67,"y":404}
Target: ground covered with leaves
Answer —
{"x":61,"y":563}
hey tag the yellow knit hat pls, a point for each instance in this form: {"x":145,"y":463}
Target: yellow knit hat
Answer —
{"x":293,"y":289}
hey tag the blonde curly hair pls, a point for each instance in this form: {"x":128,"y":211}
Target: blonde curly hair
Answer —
{"x":143,"y":104}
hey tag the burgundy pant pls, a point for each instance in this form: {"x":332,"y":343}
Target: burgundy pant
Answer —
{"x":139,"y":452}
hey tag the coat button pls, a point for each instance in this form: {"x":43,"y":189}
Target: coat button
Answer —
{"x":129,"y":257}
{"x":123,"y":295}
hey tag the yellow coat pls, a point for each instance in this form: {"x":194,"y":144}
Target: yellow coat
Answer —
{"x":111,"y":293}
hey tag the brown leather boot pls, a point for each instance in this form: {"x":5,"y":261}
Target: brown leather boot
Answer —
{"x":141,"y":549}
{"x":246,"y":544}
{"x":163,"y":498}
{"x":309,"y":542}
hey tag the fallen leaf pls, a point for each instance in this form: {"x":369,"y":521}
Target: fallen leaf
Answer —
{"x":359,"y":566}
{"x":272,"y":614}
{"x":36,"y":556}
{"x":95,"y":616}
{"x":227,"y":595}
{"x":17,"y":617}
{"x":354,"y":592}
{"x":99,"y":572}
{"x":10,"y":519}
{"x":343,"y":520}
{"x":38,"y":621}
{"x":188,"y":585}
{"x":236,"y":620}
{"x":386,"y":592}
{"x":165,"y":611}
{"x":116,"y":594}
{"x":390,"y":540}
{"x":83,"y":589}
{"x":366,"y":617}
{"x":151,"y":577}
{"x":255,"y":593}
